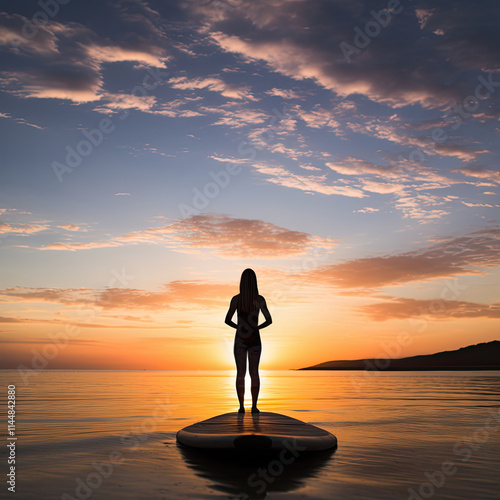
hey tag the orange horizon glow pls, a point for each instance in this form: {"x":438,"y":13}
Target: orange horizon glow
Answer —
{"x":400,"y":305}
{"x":285,"y":345}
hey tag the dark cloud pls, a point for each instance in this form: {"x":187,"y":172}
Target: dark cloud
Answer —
{"x":426,"y":54}
{"x":66,"y":59}
{"x":468,"y":32}
{"x":18,"y":35}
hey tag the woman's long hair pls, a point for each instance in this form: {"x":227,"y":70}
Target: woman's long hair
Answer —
{"x":249,"y":293}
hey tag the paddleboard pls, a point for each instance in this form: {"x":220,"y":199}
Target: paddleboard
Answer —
{"x":256,"y":431}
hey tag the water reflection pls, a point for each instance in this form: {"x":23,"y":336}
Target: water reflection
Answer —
{"x":394,"y":427}
{"x":246,"y":476}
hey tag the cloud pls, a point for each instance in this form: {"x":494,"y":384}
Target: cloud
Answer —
{"x":173,"y":109}
{"x":213,"y":84}
{"x":318,"y":117}
{"x":462,"y":151}
{"x":292,"y":152}
{"x":38,"y":340}
{"x":399,"y":131}
{"x":174,"y":295}
{"x":224,"y":236}
{"x":428,"y":124}
{"x":17,"y":33}
{"x":265,"y":137}
{"x":311,"y":168}
{"x":466,"y":47}
{"x":355,"y":166}
{"x":421,"y":206}
{"x":402,"y":181}
{"x":403,"y":308}
{"x":366,"y":210}
{"x":9,"y":210}
{"x":233,"y":238}
{"x":279,"y":35}
{"x":237,"y":118}
{"x":71,"y":296}
{"x":407,"y":181}
{"x":72,"y":227}
{"x":23,"y":229}
{"x":407,"y":174}
{"x":20,"y":120}
{"x":74,"y":83}
{"x":382,"y":187}
{"x":480,"y":172}
{"x":19,"y":320}
{"x":228,"y":160}
{"x":312,"y":183}
{"x":446,"y":259}
{"x":478,"y":204}
{"x":58,"y":245}
{"x":66,"y":60}
{"x":113,"y":102}
{"x":110,"y":53}
{"x":284,"y":93}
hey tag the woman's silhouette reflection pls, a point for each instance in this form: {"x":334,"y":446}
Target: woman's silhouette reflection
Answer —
{"x":247,"y":344}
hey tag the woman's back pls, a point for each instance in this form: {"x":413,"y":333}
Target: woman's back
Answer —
{"x":247,"y":332}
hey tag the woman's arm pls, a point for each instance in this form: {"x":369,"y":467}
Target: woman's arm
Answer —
{"x":230,"y":313}
{"x":266,"y":313}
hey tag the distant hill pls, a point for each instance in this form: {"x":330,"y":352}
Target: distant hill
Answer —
{"x":485,"y":356}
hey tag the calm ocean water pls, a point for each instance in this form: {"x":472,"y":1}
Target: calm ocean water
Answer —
{"x":401,"y":435}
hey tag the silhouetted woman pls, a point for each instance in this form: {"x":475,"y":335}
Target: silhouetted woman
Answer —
{"x":247,"y":343}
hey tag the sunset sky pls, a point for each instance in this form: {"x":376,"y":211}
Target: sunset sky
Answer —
{"x":347,"y":151}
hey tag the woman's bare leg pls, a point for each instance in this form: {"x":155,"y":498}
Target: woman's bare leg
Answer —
{"x":240,"y":356}
{"x":253,"y":368}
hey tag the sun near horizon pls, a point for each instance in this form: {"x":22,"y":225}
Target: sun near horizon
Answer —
{"x":301,"y":335}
